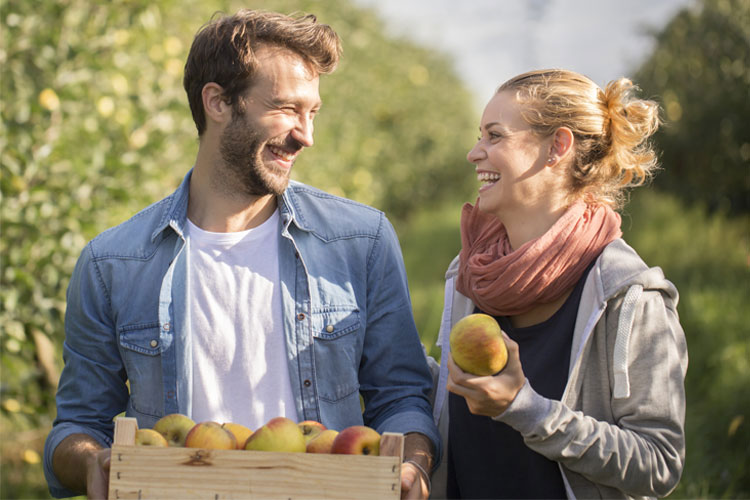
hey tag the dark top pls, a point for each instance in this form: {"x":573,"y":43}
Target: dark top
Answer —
{"x":488,"y":459}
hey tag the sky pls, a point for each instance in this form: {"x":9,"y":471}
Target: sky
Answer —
{"x":491,"y":41}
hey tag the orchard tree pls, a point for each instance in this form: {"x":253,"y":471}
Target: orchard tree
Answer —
{"x":700,"y":70}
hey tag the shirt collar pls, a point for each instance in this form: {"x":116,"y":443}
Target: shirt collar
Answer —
{"x":176,"y":214}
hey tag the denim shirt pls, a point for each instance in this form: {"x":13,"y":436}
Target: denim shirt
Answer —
{"x":347,"y":323}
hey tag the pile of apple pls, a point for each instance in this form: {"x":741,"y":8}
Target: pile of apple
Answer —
{"x":278,"y":434}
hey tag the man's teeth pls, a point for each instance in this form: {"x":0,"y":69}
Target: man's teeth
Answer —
{"x":488,"y":177}
{"x":281,"y":153}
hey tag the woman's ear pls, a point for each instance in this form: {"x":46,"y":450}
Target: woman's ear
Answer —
{"x":562,"y":143}
{"x":215,"y":106}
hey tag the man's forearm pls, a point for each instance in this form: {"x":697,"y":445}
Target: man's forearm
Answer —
{"x":71,"y":460}
{"x":418,"y":447}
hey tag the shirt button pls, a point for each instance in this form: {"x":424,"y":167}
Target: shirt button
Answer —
{"x":166,"y":327}
{"x":300,"y":316}
{"x":154,"y":343}
{"x":307,"y":383}
{"x":329,"y":328}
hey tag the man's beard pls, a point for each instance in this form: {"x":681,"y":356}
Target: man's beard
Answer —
{"x":241,"y":150}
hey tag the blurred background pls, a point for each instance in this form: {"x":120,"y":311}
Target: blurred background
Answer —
{"x":95,"y":126}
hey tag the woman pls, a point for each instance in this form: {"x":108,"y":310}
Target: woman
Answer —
{"x":591,"y":402}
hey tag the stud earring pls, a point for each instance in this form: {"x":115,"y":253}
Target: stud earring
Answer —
{"x":550,"y":160}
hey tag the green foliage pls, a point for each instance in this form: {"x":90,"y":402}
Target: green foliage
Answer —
{"x":708,"y":258}
{"x":700,"y":71}
{"x":95,"y":126}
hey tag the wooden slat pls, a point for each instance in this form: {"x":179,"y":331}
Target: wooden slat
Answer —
{"x":125,"y":428}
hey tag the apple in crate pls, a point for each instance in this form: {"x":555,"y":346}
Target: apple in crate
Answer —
{"x":149,"y":437}
{"x":311,"y":429}
{"x":210,"y":436}
{"x":323,"y":442}
{"x":174,"y":427}
{"x":241,"y":433}
{"x":357,"y":440}
{"x":278,"y":434}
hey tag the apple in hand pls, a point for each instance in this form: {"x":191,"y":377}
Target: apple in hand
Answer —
{"x":357,"y":440}
{"x":149,"y":437}
{"x":241,"y":433}
{"x":323,"y":442}
{"x":311,"y":429}
{"x":477,"y":345}
{"x":210,"y":436}
{"x":174,"y":427}
{"x":278,"y":434}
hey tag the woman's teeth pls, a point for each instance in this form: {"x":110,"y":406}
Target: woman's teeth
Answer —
{"x":281,"y":153}
{"x":488,"y":177}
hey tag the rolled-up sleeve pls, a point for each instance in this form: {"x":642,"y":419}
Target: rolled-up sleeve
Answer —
{"x":394,"y":376}
{"x":92,"y":388}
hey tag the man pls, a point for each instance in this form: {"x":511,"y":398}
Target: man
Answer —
{"x":243,"y":296}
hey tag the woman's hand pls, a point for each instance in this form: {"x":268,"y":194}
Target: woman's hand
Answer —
{"x":489,"y":395}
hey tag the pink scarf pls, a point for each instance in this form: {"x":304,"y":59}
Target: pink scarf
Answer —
{"x":504,"y":282}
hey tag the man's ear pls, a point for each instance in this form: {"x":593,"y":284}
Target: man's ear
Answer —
{"x":215,"y":106}
{"x":562,"y":143}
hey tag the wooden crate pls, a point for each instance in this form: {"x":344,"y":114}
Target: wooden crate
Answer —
{"x":170,"y":473}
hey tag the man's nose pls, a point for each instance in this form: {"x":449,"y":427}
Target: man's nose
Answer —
{"x":303,"y":132}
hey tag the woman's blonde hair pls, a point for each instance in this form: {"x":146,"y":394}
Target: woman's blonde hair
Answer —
{"x":611,"y":129}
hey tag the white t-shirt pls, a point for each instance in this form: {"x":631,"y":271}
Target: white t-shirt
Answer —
{"x":240,"y":370}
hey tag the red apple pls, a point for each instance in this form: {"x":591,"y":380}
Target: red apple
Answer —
{"x":210,"y":436}
{"x":278,"y":434}
{"x":149,"y":437}
{"x":174,"y":427}
{"x":477,"y":345}
{"x":357,"y":440}
{"x":323,"y":442}
{"x":310,"y":429}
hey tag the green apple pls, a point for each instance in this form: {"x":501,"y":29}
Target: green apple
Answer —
{"x":174,"y":427}
{"x":323,"y":442}
{"x":149,"y":437}
{"x":278,"y":434}
{"x":357,"y":440}
{"x":241,"y":433}
{"x":310,"y":429}
{"x":477,"y":345}
{"x":210,"y":436}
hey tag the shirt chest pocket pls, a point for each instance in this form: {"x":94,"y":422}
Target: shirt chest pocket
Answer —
{"x":140,"y":346}
{"x":337,"y":337}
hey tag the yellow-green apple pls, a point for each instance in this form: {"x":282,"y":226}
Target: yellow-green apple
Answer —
{"x":310,"y":429}
{"x":174,"y":427}
{"x":241,"y":433}
{"x":357,"y":440}
{"x":477,"y":345}
{"x":149,"y":437}
{"x":210,"y":436}
{"x":323,"y":442}
{"x":278,"y":434}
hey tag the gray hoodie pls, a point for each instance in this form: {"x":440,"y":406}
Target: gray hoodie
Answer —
{"x":618,"y":431}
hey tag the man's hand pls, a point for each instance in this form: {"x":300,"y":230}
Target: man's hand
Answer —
{"x":97,"y":475}
{"x":413,"y":482}
{"x":489,"y":395}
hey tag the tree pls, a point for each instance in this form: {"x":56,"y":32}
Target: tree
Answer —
{"x":701,"y":71}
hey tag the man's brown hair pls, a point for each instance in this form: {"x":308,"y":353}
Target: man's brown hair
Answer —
{"x":223,"y":52}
